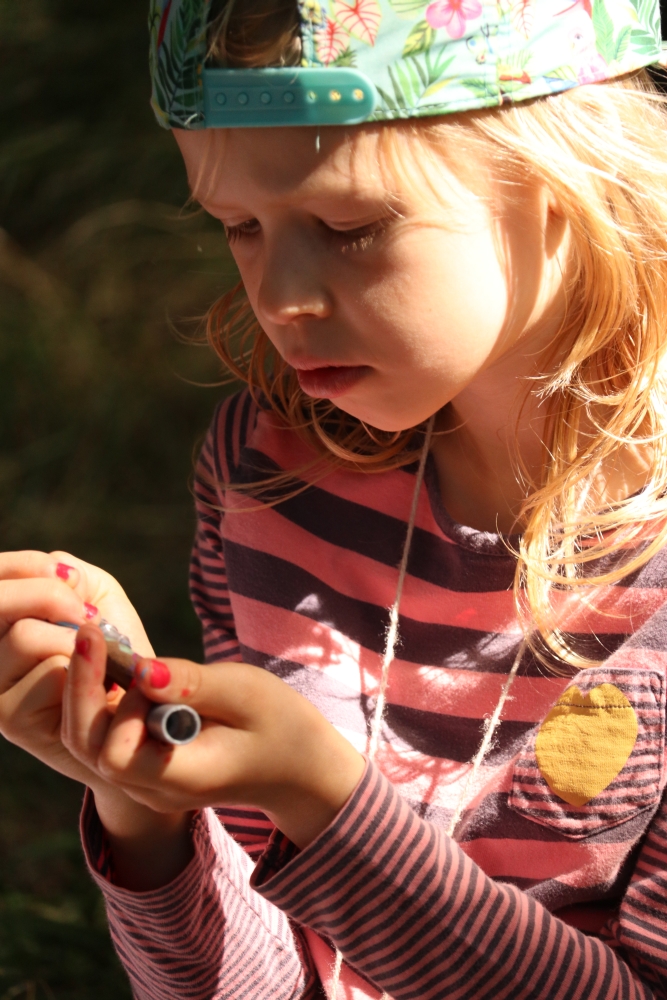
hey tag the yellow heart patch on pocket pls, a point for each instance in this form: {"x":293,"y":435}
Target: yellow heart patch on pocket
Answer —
{"x":585,"y":741}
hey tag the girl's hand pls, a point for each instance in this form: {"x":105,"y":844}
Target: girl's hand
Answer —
{"x":37,"y":589}
{"x":261,"y":744}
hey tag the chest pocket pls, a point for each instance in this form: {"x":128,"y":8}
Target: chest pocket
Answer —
{"x":596,"y":760}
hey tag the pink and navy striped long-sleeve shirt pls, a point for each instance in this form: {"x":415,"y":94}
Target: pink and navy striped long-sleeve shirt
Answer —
{"x":555,"y":882}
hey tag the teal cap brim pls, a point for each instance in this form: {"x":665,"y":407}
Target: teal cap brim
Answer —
{"x":290,"y":96}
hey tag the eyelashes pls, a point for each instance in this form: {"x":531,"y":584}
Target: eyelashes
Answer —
{"x":347,"y":240}
{"x":243,"y":229}
{"x":363,"y":238}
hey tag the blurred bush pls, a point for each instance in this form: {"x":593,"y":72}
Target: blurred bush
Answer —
{"x":102,"y":271}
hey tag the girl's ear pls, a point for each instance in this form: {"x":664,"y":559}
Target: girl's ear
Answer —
{"x":556,"y":226}
{"x":553,"y":204}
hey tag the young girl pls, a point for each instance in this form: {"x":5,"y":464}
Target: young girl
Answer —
{"x":430,"y":559}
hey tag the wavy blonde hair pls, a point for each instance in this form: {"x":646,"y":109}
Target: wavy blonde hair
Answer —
{"x":601,"y":150}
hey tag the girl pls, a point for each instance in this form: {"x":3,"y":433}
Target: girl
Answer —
{"x":452,"y":333}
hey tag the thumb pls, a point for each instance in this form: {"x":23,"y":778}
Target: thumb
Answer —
{"x":226,"y":692}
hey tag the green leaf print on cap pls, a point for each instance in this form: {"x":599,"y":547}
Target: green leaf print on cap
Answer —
{"x":416,"y":58}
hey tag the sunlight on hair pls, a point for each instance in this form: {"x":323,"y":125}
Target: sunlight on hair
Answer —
{"x":600,"y":150}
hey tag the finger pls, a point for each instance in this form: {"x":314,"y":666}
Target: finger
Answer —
{"x":143,"y":767}
{"x":129,"y":755}
{"x":86,"y":717}
{"x":31,"y":715}
{"x":51,"y":600}
{"x":31,"y":563}
{"x":29,"y":642}
{"x":167,"y":777}
{"x":103,"y":591}
{"x":86,"y":576}
{"x":31,"y":709}
{"x":226,"y":692}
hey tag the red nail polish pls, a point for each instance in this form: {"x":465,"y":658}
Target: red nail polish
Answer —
{"x":159,"y":675}
{"x":82,"y":646}
{"x":91,"y":610}
{"x":114,"y":687}
{"x":63,"y":571}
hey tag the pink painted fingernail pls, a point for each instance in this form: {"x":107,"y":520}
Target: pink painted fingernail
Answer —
{"x":82,"y":646}
{"x":63,"y":571}
{"x":159,"y":675}
{"x":114,"y":687}
{"x":91,"y":610}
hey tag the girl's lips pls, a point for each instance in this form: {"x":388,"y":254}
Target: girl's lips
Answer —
{"x":328,"y":382}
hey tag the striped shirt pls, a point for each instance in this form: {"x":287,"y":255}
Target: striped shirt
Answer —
{"x":555,"y":882}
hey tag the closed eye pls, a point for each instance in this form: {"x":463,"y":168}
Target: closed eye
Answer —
{"x":250,"y":227}
{"x":360,"y":238}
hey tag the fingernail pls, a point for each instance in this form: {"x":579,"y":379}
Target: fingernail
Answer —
{"x":155,"y":672}
{"x":91,"y":610}
{"x":114,"y":687}
{"x":63,"y":571}
{"x":82,"y":646}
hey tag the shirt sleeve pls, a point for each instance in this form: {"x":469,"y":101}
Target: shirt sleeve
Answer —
{"x":412,"y":913}
{"x":208,"y":575}
{"x":207,"y":935}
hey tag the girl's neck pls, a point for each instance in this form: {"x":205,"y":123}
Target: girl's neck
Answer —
{"x":488,"y":455}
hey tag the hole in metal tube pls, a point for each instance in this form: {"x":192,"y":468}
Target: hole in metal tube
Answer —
{"x":181,"y":725}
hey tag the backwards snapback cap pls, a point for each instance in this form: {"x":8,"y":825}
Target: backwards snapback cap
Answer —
{"x":375,"y":60}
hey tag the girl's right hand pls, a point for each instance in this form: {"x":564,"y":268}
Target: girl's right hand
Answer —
{"x":36,"y":590}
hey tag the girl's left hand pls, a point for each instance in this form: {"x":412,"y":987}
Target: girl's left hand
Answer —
{"x":261,"y":743}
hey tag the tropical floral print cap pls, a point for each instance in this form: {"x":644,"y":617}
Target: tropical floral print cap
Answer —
{"x":365,"y":60}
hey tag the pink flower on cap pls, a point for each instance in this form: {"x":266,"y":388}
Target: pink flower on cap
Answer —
{"x":452,"y":15}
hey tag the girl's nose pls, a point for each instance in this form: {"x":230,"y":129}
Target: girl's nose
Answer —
{"x":293,"y":284}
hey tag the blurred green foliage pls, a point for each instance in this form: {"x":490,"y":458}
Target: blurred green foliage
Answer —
{"x":103,"y":271}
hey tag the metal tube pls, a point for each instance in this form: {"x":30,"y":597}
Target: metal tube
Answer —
{"x":175,"y":724}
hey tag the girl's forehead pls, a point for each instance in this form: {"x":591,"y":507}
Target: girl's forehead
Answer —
{"x":283,"y":163}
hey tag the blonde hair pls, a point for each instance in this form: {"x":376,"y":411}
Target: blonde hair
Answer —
{"x":601,"y":150}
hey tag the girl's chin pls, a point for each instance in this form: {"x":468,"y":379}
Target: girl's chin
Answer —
{"x":378,"y":419}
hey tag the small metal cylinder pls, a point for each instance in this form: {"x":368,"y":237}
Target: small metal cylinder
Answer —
{"x":175,"y":724}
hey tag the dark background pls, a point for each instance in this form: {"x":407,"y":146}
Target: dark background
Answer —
{"x":103,"y":273}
